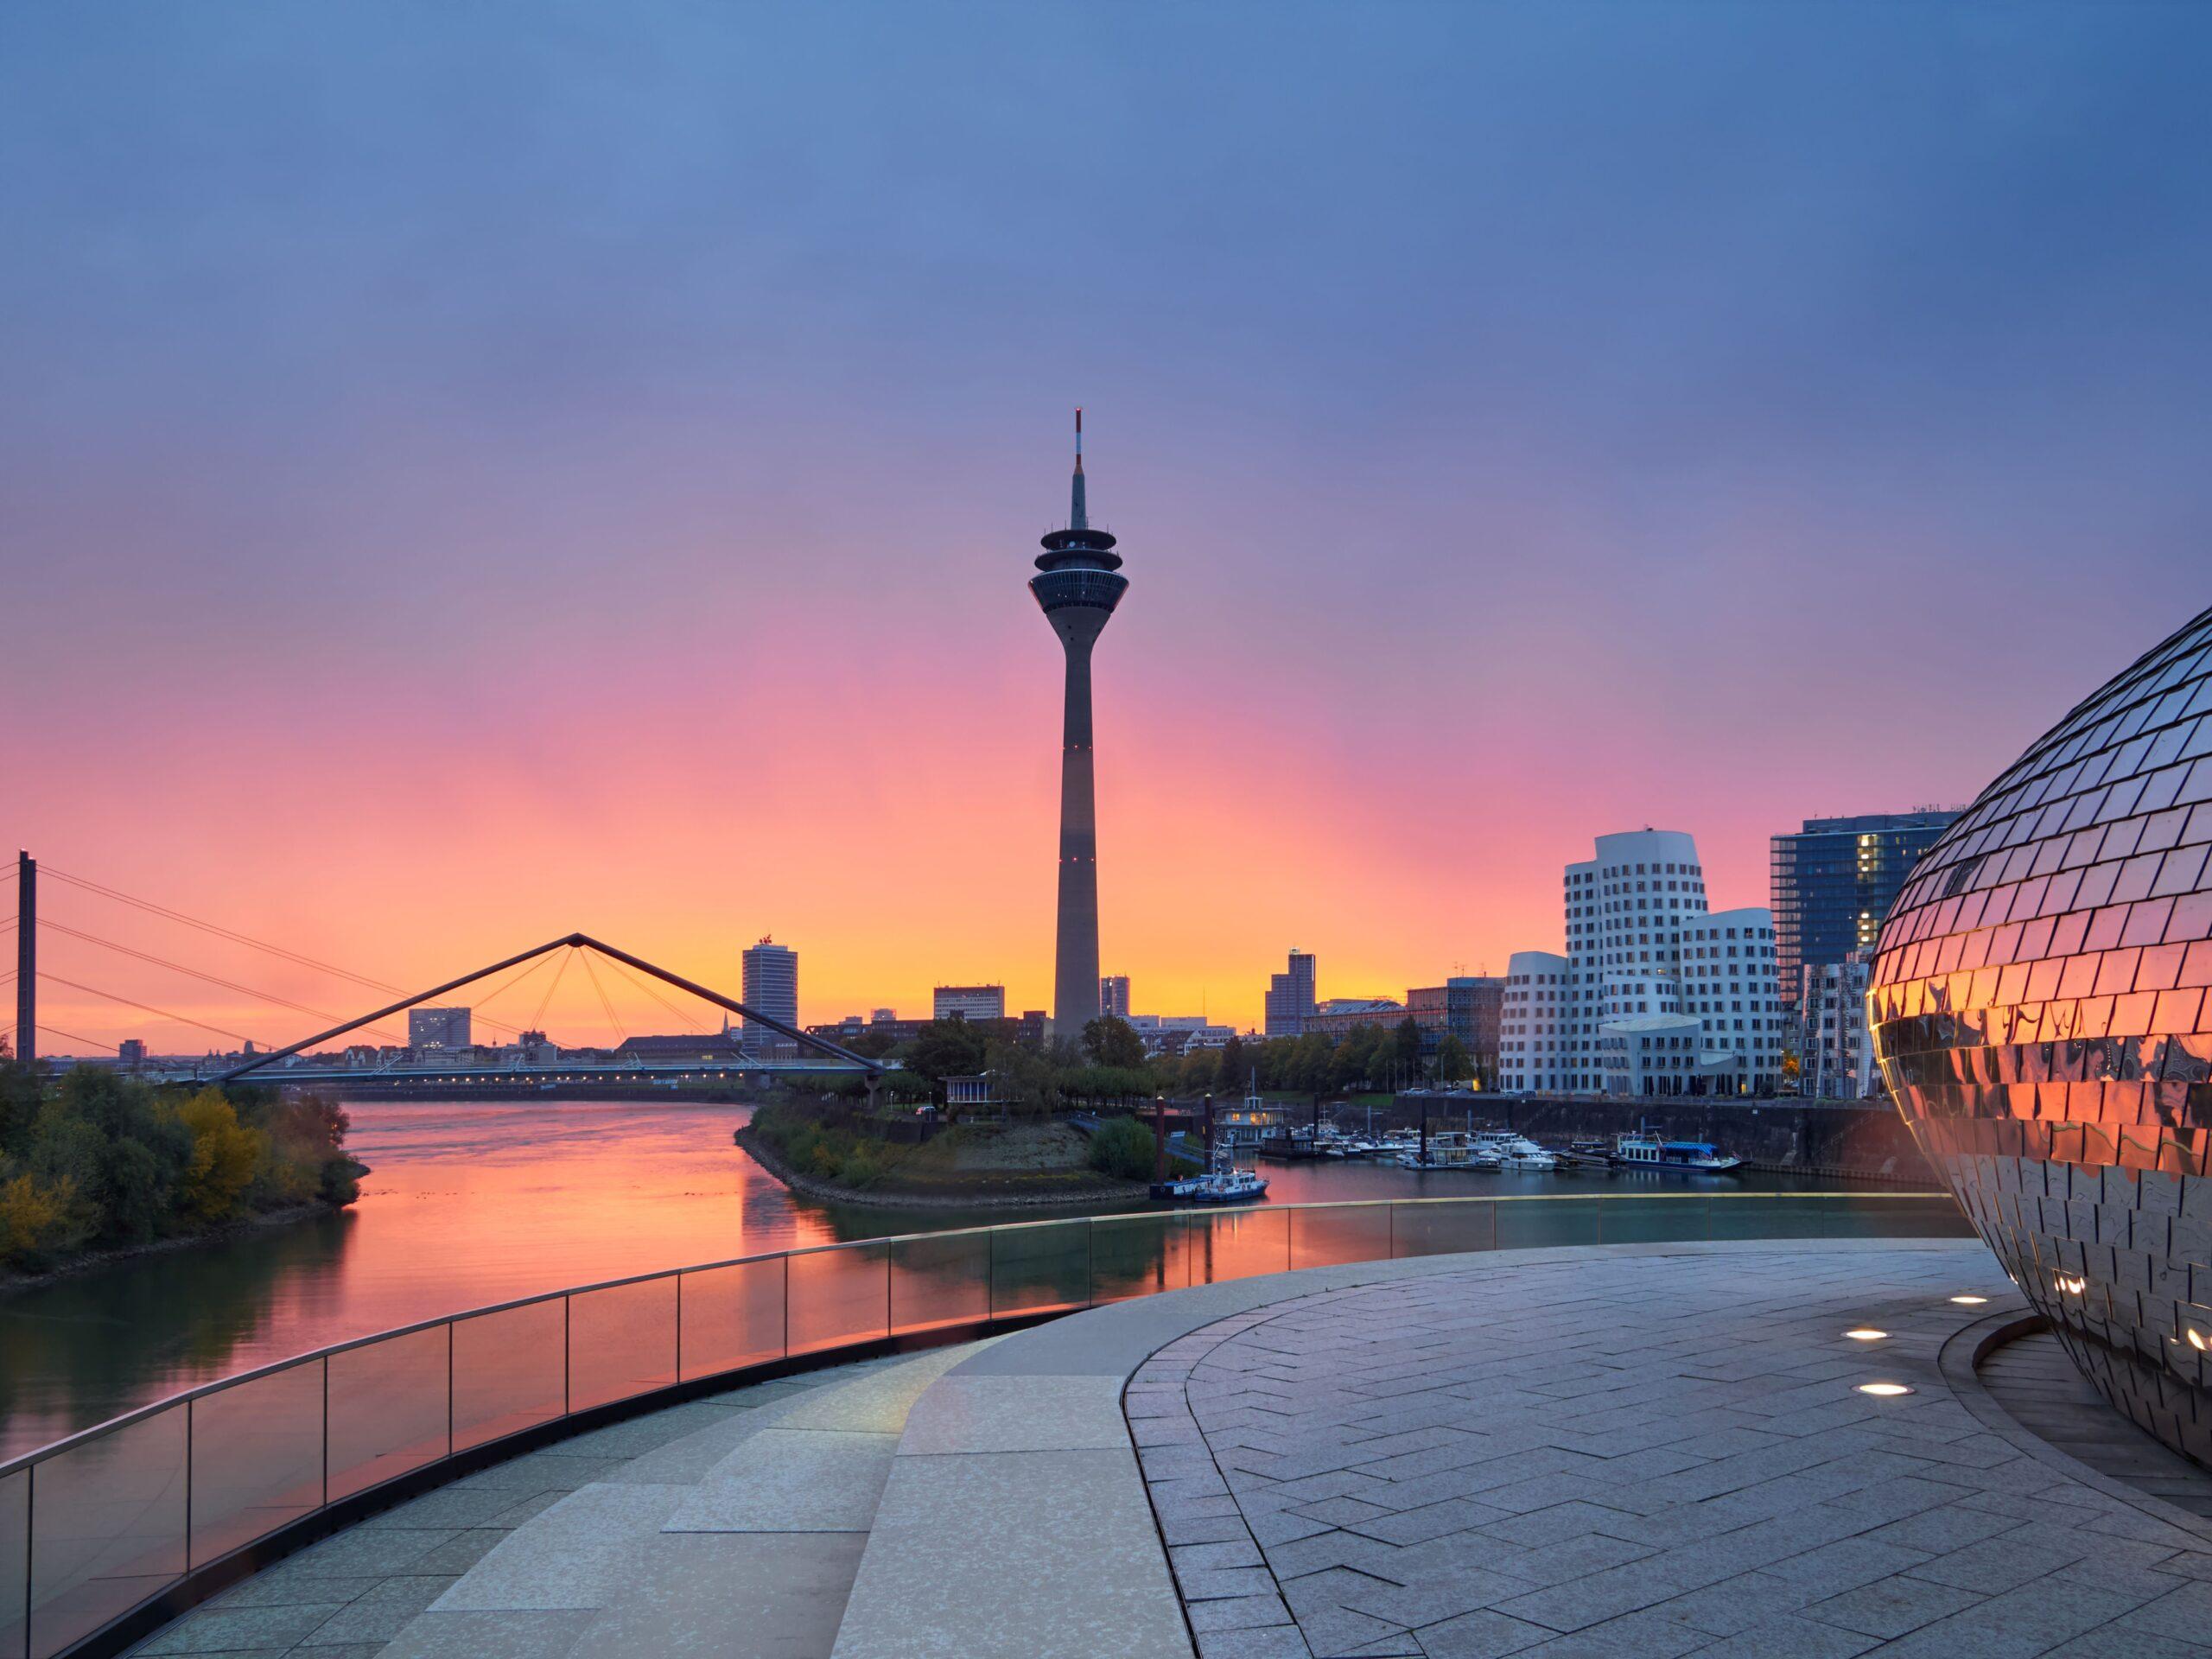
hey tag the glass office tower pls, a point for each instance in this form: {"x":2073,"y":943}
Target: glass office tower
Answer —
{"x":1833,"y":881}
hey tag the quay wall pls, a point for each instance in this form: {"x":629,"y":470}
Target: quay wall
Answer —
{"x":1860,"y":1139}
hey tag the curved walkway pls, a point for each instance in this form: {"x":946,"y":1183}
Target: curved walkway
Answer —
{"x":1632,"y":1450}
{"x":365,"y":1590}
{"x":1640,"y":1453}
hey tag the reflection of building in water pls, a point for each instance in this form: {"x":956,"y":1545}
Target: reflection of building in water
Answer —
{"x":1835,"y":1052}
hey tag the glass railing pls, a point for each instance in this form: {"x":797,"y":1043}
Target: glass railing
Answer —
{"x":96,"y":1528}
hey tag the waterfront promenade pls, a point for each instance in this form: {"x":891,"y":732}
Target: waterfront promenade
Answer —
{"x":1643,"y":1449}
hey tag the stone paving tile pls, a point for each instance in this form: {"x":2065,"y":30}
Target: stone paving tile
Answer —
{"x":1892,"y":1607}
{"x":1646,"y":1455}
{"x":349,"y":1595}
{"x":1788,"y":1636}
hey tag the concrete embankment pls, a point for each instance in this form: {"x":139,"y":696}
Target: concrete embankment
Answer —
{"x":1862,"y":1140}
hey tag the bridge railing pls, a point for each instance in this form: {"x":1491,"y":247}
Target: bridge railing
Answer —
{"x":105,"y":1533}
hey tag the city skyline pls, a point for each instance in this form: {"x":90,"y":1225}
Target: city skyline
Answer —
{"x":530,"y":572}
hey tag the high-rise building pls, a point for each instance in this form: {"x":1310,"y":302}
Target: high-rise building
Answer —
{"x":1473,"y":1005}
{"x":1833,"y":881}
{"x":968,"y":1002}
{"x":1655,"y":994}
{"x":1077,"y":585}
{"x":771,"y":988}
{"x":1114,"y":995}
{"x":429,"y":1029}
{"x":1291,"y":1000}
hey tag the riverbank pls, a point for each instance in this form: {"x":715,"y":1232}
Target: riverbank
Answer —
{"x":13,"y":1281}
{"x":998,"y":1188}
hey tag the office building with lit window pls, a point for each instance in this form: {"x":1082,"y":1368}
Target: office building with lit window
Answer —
{"x":1833,"y":881}
{"x":1114,"y":995}
{"x":437,"y":1029}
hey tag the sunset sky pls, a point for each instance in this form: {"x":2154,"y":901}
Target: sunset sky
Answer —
{"x":472,"y":473}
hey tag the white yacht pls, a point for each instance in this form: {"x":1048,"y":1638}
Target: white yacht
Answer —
{"x":1514,"y":1150}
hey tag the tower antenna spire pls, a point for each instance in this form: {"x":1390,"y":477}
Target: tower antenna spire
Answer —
{"x":1078,"y":516}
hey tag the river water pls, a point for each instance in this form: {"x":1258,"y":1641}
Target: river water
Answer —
{"x":474,"y":1203}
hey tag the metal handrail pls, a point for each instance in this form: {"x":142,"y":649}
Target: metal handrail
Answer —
{"x":979,"y":1277}
{"x":138,"y":1413}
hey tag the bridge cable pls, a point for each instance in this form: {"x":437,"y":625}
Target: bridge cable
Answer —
{"x":142,"y":1008}
{"x":645,"y":986}
{"x":322,"y":1014}
{"x":621,"y":1032}
{"x":505,"y":985}
{"x":219,"y":932}
{"x":538,"y":1020}
{"x":89,"y":1042}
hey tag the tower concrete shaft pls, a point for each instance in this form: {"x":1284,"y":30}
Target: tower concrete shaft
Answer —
{"x":1077,"y":586}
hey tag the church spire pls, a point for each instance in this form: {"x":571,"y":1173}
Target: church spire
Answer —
{"x":1078,"y":518}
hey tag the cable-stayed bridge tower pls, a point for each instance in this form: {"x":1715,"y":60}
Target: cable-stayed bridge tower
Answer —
{"x":1077,"y":586}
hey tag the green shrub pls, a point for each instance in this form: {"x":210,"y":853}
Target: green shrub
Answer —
{"x":1123,"y":1148}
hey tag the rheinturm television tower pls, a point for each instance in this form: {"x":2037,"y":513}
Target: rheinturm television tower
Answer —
{"x":1077,"y":586}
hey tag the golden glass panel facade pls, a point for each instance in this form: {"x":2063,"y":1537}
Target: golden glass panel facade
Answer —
{"x":2041,"y":1008}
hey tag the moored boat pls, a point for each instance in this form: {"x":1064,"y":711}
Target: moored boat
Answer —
{"x":1644,"y":1150}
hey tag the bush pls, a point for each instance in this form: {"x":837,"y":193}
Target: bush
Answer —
{"x":1123,"y":1148}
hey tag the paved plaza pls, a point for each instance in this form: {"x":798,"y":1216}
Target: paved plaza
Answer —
{"x":1638,"y":1455}
{"x":1595,"y":1453}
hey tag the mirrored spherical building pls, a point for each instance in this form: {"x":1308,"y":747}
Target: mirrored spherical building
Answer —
{"x":2042,"y":1007}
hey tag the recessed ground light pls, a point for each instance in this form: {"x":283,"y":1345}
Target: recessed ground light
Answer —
{"x":1865,"y":1333}
{"x":1969,"y":1301}
{"x":1885,"y":1389}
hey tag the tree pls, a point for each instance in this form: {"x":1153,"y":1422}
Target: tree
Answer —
{"x":1026,"y":1080}
{"x":1231,"y":1066}
{"x":1405,"y":1045}
{"x":1111,"y":1040}
{"x":1349,"y":1061}
{"x":1452,"y":1064}
{"x":1200,"y":1071}
{"x":946,"y":1048}
{"x":32,"y":1217}
{"x":225,"y":1155}
{"x":1308,"y":1071}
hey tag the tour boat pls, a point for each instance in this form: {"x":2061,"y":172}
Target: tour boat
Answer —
{"x":1644,"y":1150}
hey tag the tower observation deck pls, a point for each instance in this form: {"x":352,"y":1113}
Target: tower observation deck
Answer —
{"x":1077,"y":585}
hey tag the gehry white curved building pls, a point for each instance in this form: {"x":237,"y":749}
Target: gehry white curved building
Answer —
{"x":1655,"y":994}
